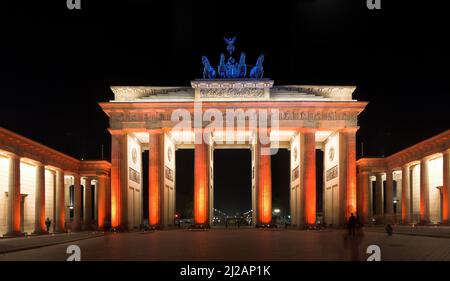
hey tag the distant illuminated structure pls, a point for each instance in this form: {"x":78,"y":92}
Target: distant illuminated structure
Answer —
{"x":409,"y":187}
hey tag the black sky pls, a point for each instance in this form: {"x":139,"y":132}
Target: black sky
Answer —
{"x":56,"y":64}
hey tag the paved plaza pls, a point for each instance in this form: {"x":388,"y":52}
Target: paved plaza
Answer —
{"x":243,"y":245}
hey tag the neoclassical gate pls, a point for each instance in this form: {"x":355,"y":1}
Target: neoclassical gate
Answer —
{"x":230,"y":113}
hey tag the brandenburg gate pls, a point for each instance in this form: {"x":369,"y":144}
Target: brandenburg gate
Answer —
{"x":232,"y":113}
{"x":224,"y":110}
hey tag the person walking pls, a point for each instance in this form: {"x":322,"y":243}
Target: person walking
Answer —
{"x":351,"y":225}
{"x":48,"y":222}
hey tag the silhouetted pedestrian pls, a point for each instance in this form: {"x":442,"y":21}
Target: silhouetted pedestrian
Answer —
{"x":48,"y":222}
{"x":389,"y":229}
{"x":352,"y":225}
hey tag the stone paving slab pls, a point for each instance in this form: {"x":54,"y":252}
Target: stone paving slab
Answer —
{"x":243,"y":245}
{"x":418,"y":230}
{"x":8,"y":245}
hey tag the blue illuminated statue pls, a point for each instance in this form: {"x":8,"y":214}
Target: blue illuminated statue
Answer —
{"x":232,"y":69}
{"x":257,"y":71}
{"x":222,"y":68}
{"x":208,"y":70}
{"x":230,"y":42}
{"x":242,"y":66}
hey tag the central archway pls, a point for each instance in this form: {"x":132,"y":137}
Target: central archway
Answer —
{"x":232,"y":186}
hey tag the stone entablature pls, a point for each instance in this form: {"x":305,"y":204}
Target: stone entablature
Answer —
{"x":437,"y":144}
{"x":309,"y":114}
{"x":232,"y":90}
{"x":94,"y":168}
{"x":23,"y":147}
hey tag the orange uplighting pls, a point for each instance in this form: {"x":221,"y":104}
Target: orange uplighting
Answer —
{"x":445,"y":199}
{"x":351,"y":173}
{"x":201,"y":184}
{"x":115,"y":181}
{"x":154,"y":179}
{"x":101,"y":202}
{"x":365,"y":196}
{"x":265,"y":190}
{"x":310,"y":178}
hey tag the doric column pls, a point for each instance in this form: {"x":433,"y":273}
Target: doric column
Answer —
{"x":310,"y":177}
{"x":365,"y":197}
{"x":201,"y":181}
{"x":101,"y":201}
{"x":406,"y":195}
{"x":95,"y":203}
{"x":87,"y":218}
{"x":264,"y":184}
{"x":156,"y":180}
{"x":389,"y":215}
{"x":13,"y":219}
{"x":108,"y":202}
{"x":39,"y":217}
{"x":379,"y":196}
{"x":347,"y":160}
{"x":446,"y":187}
{"x":119,"y":180}
{"x":60,"y":202}
{"x":424,"y":192}
{"x":77,"y":203}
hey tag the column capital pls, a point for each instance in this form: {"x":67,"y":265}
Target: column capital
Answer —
{"x":349,"y":130}
{"x":116,"y":132}
{"x":306,"y":130}
{"x":425,"y":158}
{"x":155,"y":131}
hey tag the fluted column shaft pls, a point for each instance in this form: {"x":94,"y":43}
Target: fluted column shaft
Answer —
{"x":446,"y":187}
{"x":60,"y":202}
{"x":264,"y":185}
{"x":39,"y":218}
{"x":424,"y":192}
{"x":101,"y":201}
{"x":365,"y":197}
{"x":389,"y":215}
{"x":87,"y":218}
{"x":201,"y":182}
{"x":406,"y":195}
{"x":13,"y":219}
{"x":310,"y":177}
{"x":156,"y":180}
{"x":379,"y":195}
{"x":77,"y":203}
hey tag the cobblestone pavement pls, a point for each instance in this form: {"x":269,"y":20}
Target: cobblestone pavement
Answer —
{"x":244,"y":244}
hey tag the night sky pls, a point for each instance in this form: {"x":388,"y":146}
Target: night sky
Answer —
{"x":56,"y":64}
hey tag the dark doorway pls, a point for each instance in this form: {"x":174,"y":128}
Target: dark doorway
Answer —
{"x":280,"y":169}
{"x":184,"y":181}
{"x":232,"y":181}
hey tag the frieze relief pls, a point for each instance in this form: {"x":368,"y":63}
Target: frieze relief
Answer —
{"x":282,"y":116}
{"x":232,"y":93}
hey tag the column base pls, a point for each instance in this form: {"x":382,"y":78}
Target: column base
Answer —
{"x":87,"y":226}
{"x":14,"y":234}
{"x":39,"y":232}
{"x":265,"y":225}
{"x":389,"y":218}
{"x":200,"y":226}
